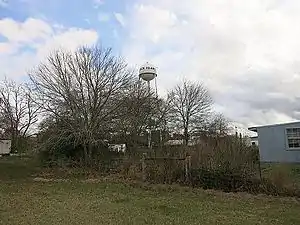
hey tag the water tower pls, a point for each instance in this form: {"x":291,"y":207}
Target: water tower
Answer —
{"x":148,"y":73}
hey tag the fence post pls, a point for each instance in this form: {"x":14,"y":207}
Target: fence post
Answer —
{"x":259,"y":169}
{"x":144,"y":166}
{"x":187,"y":167}
{"x":190,"y":166}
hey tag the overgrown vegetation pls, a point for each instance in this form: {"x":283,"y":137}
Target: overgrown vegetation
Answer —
{"x":226,"y":164}
{"x":89,"y":99}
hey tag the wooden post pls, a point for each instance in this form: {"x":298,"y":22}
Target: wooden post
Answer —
{"x":190,"y":166}
{"x":190,"y":162}
{"x":144,"y":167}
{"x":259,"y":168}
{"x":187,"y":167}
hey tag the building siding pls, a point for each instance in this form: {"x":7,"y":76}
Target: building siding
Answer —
{"x":5,"y":146}
{"x":273,"y":144}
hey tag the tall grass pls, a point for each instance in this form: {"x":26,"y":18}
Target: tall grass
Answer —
{"x":228,"y":154}
{"x":224,"y":163}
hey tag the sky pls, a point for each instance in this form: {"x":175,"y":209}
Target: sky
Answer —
{"x":245,"y":52}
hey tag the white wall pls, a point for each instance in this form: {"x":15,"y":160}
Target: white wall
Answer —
{"x":273,"y":146}
{"x":5,"y":146}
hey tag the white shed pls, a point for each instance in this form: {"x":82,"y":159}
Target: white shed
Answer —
{"x":117,"y":147}
{"x":279,"y":143}
{"x":5,"y":146}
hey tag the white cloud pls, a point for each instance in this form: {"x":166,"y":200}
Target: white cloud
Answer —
{"x":120,"y":18}
{"x":246,"y":52}
{"x":29,"y":31}
{"x":6,"y":48}
{"x":69,"y":39}
{"x":28,"y":42}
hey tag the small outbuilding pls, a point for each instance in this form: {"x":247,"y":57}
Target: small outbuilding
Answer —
{"x":5,"y":147}
{"x":279,"y":142}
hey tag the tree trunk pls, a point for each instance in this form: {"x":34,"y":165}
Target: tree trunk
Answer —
{"x":14,"y":142}
{"x":186,"y":136}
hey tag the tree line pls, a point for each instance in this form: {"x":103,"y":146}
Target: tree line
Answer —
{"x":77,"y":102}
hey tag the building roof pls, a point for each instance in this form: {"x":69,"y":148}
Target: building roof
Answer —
{"x":254,"y":129}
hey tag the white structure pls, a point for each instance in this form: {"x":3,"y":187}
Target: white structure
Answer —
{"x":251,"y":141}
{"x":174,"y":142}
{"x":148,"y":73}
{"x":254,"y":140}
{"x":5,"y":146}
{"x":279,"y":142}
{"x":117,"y":147}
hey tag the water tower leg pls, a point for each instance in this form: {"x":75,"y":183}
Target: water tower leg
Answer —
{"x":149,"y":139}
{"x":148,"y":86}
{"x":156,"y":88}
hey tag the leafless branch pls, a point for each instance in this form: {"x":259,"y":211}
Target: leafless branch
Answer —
{"x":82,"y":88}
{"x":190,"y":104}
{"x":18,"y":111}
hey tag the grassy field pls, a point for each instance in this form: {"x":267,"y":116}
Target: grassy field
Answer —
{"x":25,"y":201}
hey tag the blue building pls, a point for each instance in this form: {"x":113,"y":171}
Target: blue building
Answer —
{"x":279,"y":142}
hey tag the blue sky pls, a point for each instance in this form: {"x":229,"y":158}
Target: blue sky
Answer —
{"x":87,"y":14}
{"x":245,"y":52}
{"x":67,"y":12}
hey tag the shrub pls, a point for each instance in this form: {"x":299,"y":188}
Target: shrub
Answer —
{"x":226,"y":164}
{"x":131,"y":168}
{"x":228,"y":182}
{"x":227,"y":153}
{"x":165,"y":171}
{"x":61,"y":151}
{"x":22,"y":145}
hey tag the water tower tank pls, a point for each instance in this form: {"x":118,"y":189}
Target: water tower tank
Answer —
{"x":147,"y":72}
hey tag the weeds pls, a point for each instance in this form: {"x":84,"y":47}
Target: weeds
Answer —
{"x":225,"y":163}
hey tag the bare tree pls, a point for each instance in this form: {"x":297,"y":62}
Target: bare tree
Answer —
{"x":136,"y":109}
{"x":141,"y":110}
{"x":190,"y":104}
{"x":82,"y":90}
{"x":218,"y":125}
{"x":18,"y":110}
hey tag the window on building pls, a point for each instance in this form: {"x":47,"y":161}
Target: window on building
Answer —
{"x":293,"y":138}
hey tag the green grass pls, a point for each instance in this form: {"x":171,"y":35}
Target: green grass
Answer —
{"x":23,"y":201}
{"x":16,"y":168}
